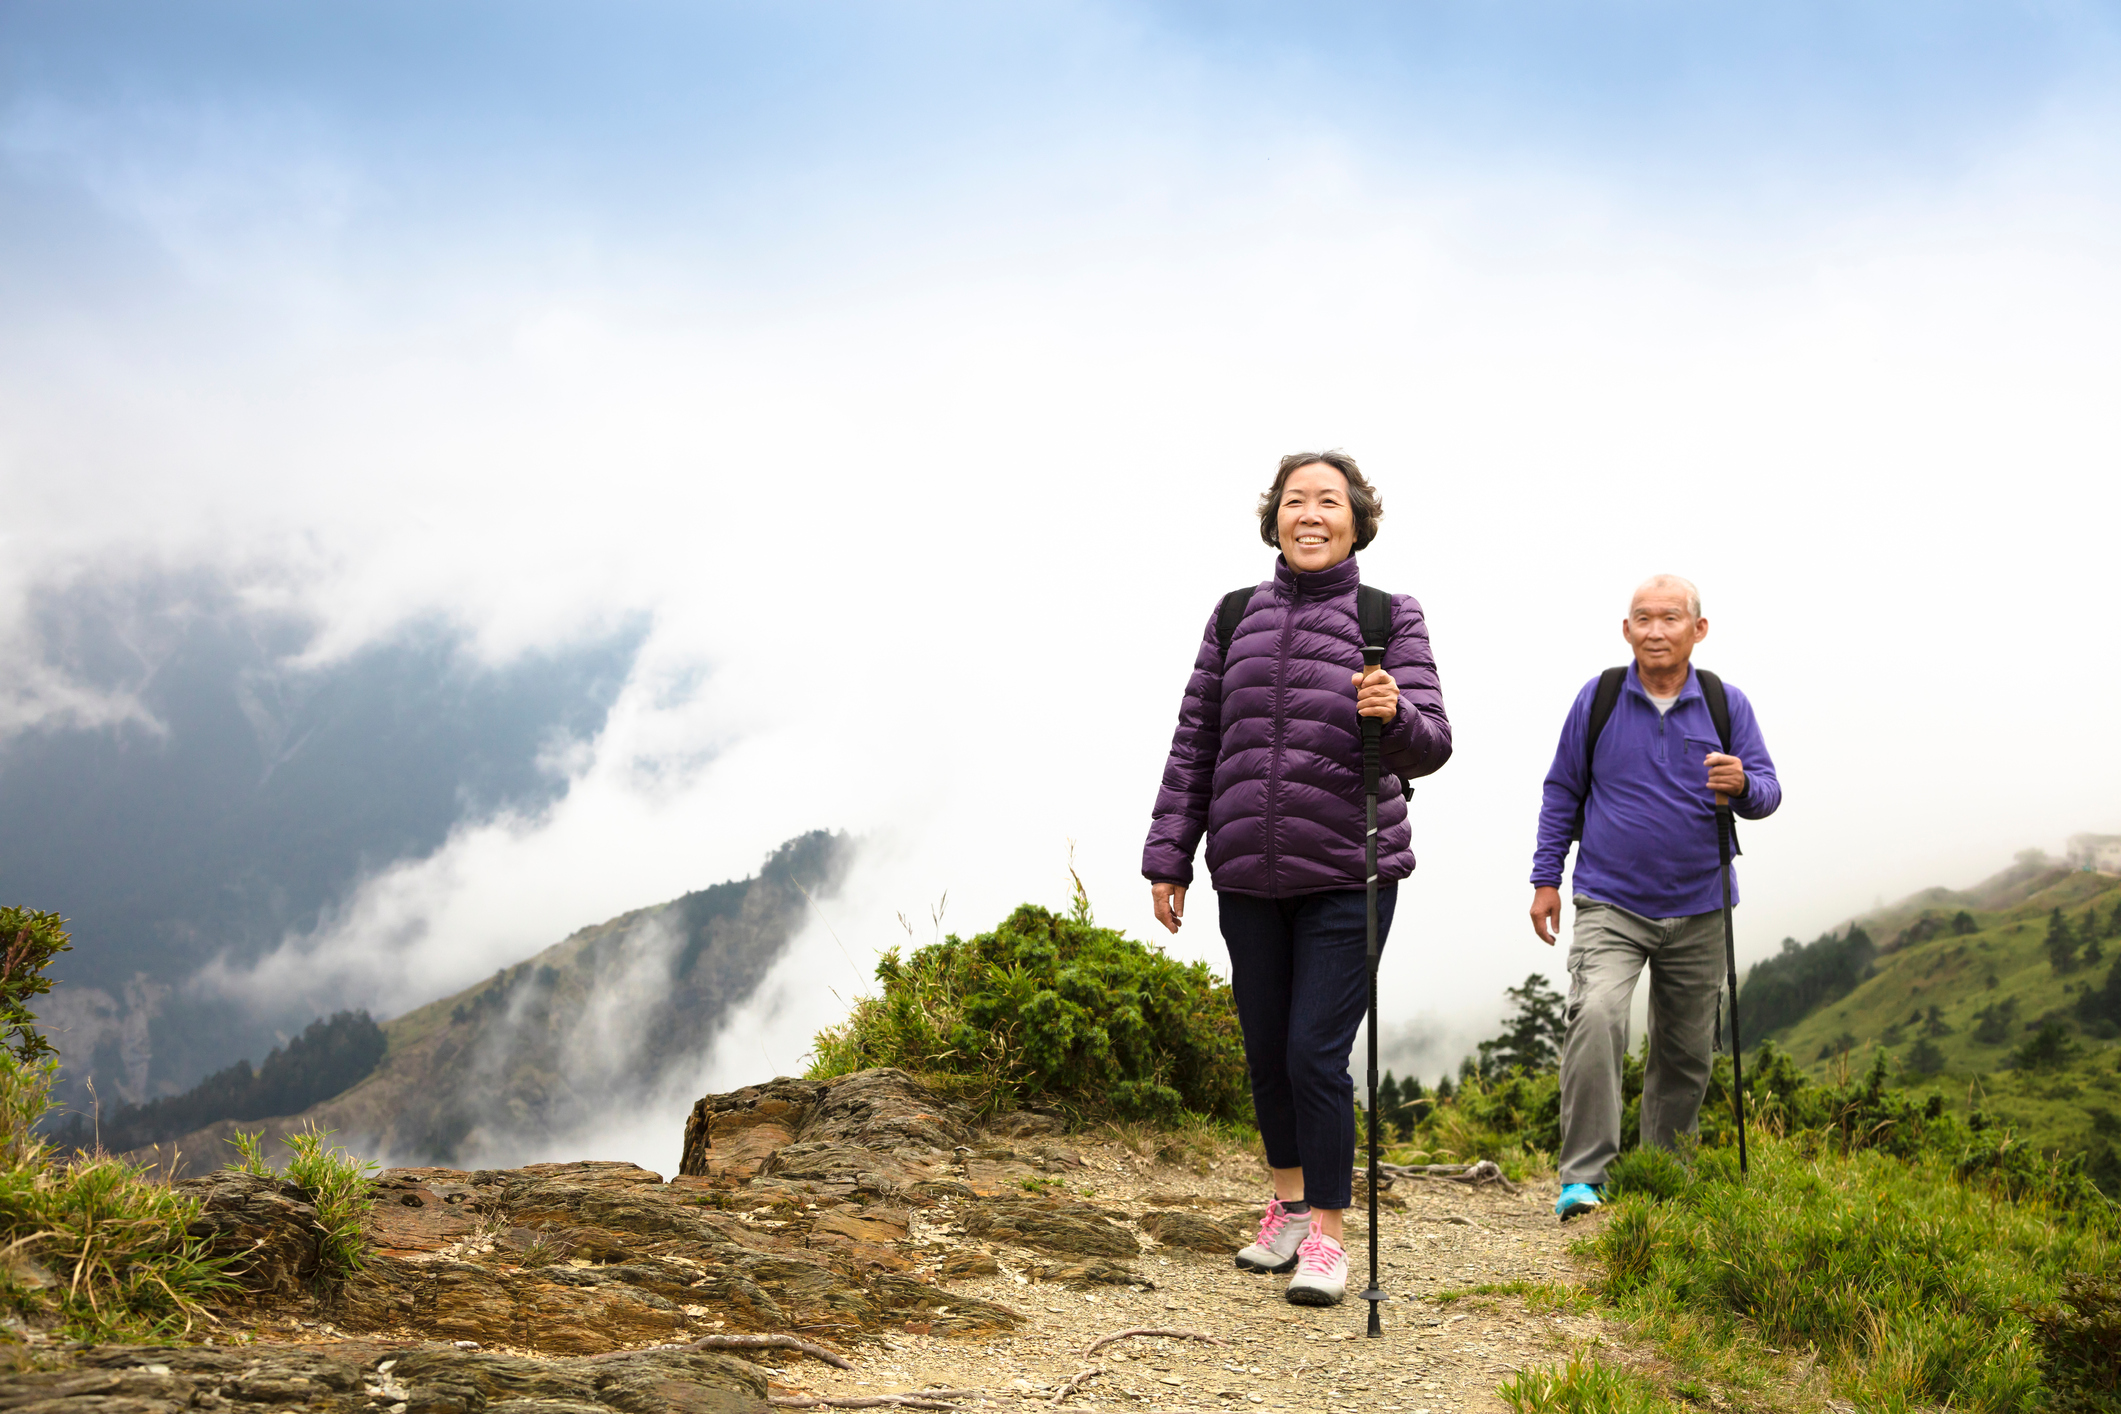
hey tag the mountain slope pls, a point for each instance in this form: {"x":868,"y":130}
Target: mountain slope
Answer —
{"x":1963,"y":993}
{"x":588,"y":1027}
{"x":1990,"y":987}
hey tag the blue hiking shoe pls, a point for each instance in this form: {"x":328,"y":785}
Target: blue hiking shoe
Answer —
{"x":1575,"y":1198}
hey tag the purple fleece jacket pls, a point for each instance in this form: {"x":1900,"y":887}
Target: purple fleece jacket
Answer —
{"x":1267,"y":758}
{"x":1649,"y":831}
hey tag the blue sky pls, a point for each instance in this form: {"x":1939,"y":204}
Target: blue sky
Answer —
{"x":967,"y":331}
{"x":736,"y":133}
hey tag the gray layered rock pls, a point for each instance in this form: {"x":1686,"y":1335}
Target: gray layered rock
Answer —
{"x":376,"y":1378}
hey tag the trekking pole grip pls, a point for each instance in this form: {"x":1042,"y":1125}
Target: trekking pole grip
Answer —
{"x":1373,"y":656}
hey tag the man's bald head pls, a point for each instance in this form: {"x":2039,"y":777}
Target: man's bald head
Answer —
{"x":1661,"y":584}
{"x":1663,"y":624}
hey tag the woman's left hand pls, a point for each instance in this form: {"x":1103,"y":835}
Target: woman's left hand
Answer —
{"x":1376,"y":695}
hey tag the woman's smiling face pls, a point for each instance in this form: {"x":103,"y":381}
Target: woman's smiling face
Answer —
{"x":1315,"y":521}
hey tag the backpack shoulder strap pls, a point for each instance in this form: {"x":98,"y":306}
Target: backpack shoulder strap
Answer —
{"x":1373,"y":615}
{"x":1603,"y":701}
{"x":1719,"y":705}
{"x":1230,"y":615}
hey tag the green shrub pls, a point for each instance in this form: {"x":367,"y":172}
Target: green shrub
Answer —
{"x":2080,"y":1344}
{"x":28,"y":942}
{"x":1052,"y":1008}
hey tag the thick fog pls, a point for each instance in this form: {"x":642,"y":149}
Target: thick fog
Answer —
{"x":884,"y":398}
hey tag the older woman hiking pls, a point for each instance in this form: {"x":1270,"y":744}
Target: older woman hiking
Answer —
{"x":1267,"y":761}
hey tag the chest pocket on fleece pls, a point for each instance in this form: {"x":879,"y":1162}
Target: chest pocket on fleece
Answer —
{"x":1690,"y":767}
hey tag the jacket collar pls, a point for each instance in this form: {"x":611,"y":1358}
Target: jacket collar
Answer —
{"x":1322,"y":583}
{"x":1691,"y":688}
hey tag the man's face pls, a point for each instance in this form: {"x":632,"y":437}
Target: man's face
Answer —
{"x":1661,"y":630}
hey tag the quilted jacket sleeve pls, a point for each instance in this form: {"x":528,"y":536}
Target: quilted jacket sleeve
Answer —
{"x":1181,"y":812}
{"x":1418,"y":740}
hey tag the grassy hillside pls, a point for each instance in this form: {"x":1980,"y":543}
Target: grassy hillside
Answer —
{"x":1965,"y":995}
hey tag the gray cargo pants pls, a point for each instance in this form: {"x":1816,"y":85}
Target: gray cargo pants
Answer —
{"x":1606,"y":955}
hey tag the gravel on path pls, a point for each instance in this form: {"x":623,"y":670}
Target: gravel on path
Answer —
{"x":1434,"y":1358}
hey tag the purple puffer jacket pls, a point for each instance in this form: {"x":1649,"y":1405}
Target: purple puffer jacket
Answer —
{"x":1268,"y":756}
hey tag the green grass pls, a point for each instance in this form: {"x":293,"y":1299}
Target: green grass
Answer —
{"x":92,"y":1248}
{"x":337,"y":1183}
{"x":1912,"y":1287}
{"x":1585,"y":1386}
{"x":1539,"y":1297}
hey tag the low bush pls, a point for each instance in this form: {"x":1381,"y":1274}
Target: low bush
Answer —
{"x":1054,"y":1009}
{"x":2080,"y":1344}
{"x":29,"y":940}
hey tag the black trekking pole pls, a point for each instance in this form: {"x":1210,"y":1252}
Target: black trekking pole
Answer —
{"x":1372,"y":732}
{"x":1724,"y":832}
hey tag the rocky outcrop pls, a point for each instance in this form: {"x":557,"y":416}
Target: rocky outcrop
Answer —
{"x":1176,"y":1228}
{"x":385,"y":1379}
{"x":1051,"y":1225}
{"x":875,"y":1127}
{"x":838,"y":1211}
{"x":267,"y":1228}
{"x":800,"y":1217}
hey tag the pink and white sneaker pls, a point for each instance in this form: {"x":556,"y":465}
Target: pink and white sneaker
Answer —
{"x":1280,"y":1233}
{"x":1321,"y":1273}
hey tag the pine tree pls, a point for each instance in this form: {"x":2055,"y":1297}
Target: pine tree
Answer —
{"x":1925,"y":1057}
{"x":2061,"y":943}
{"x":2113,"y":924}
{"x":1531,"y":1036}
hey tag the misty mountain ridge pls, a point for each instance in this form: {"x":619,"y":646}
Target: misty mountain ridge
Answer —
{"x":243,"y":792}
{"x":1804,"y":980}
{"x":599,"y":1023}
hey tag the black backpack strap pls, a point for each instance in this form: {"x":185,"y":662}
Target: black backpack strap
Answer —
{"x":1719,"y":704}
{"x":1373,"y":615}
{"x":1603,"y":701}
{"x":1230,"y":615}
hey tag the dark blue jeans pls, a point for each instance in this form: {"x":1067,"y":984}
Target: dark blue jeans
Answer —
{"x":1300,"y":969}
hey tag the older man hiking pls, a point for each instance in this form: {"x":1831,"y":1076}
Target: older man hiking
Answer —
{"x":1639,"y":789}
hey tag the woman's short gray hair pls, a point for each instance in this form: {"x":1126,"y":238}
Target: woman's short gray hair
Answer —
{"x":1363,"y":499}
